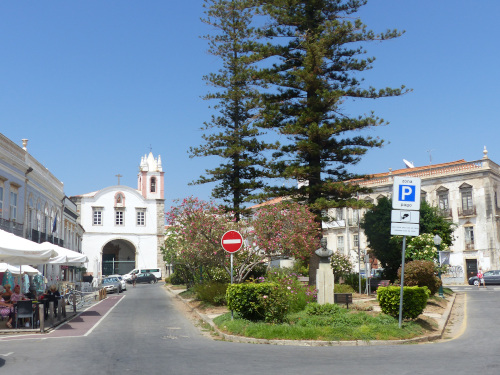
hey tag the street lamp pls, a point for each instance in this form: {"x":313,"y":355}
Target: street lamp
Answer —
{"x":437,"y":242}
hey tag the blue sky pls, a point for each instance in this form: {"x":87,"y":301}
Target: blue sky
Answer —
{"x":94,"y":85}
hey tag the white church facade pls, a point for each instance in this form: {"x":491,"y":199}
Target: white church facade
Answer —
{"x":124,"y":227}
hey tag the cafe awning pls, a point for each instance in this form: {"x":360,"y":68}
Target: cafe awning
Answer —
{"x":65,"y":256}
{"x":17,"y":250}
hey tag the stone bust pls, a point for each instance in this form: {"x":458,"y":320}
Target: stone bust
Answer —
{"x":323,"y":252}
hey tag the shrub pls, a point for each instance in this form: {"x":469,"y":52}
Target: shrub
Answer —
{"x":342,"y":288}
{"x":176,"y":278}
{"x":414,"y":300}
{"x":352,"y":279}
{"x":276,"y":305}
{"x":211,"y":292}
{"x":247,"y":299}
{"x":299,"y":295}
{"x":326,"y":309}
{"x":421,"y":273}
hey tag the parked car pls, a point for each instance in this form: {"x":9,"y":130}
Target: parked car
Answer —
{"x":136,"y":271}
{"x":490,"y":278}
{"x":111,"y":284}
{"x":120,"y":277}
{"x":144,"y":278}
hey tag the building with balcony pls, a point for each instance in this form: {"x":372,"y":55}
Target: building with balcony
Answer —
{"x":465,"y":192}
{"x":33,"y":204}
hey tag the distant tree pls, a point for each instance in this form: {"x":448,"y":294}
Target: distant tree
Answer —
{"x":231,"y":134}
{"x":315,"y":61}
{"x":386,"y":248}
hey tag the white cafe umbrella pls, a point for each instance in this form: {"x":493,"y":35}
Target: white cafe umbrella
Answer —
{"x":65,"y":256}
{"x":12,"y":269}
{"x":18,"y":250}
{"x":17,"y":271}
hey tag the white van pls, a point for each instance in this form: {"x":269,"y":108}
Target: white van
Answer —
{"x":154,"y":271}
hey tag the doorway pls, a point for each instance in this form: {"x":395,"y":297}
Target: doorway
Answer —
{"x":471,"y":266}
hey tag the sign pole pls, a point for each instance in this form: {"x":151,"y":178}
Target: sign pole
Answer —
{"x":232,"y":312}
{"x":402,"y":283}
{"x":232,"y":241}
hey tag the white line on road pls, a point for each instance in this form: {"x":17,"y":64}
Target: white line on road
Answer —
{"x":6,"y":355}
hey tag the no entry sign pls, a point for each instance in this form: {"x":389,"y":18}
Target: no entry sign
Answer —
{"x":232,"y":241}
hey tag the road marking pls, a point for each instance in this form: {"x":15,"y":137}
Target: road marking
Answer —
{"x":464,"y":322}
{"x":7,"y":354}
{"x":103,"y":317}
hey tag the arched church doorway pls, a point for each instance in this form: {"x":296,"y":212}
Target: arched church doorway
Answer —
{"x":118,"y":257}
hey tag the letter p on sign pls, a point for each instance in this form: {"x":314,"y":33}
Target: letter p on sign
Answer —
{"x":407,"y":193}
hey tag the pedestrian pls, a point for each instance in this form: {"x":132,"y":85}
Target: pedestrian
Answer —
{"x":480,"y":277}
{"x":134,"y":280}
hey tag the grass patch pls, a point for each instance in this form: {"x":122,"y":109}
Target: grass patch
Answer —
{"x":188,"y":294}
{"x":342,"y":325}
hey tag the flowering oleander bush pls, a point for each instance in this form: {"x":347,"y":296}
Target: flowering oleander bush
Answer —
{"x":196,"y":228}
{"x":341,"y":264}
{"x":286,"y":228}
{"x":423,"y":248}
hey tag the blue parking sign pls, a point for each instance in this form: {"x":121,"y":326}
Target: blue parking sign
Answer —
{"x":406,"y":193}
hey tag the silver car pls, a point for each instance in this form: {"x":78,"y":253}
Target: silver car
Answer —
{"x":111,"y":284}
{"x":122,"y":281}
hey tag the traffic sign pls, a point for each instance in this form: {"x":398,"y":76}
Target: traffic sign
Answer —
{"x":404,"y":229}
{"x":406,"y":193}
{"x":232,"y":241}
{"x":405,"y":216}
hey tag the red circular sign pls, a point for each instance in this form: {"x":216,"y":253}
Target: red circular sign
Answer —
{"x":232,"y":241}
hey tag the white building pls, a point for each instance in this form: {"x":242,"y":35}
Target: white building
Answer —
{"x":124,"y":227}
{"x":466,"y":193}
{"x":33,"y":205}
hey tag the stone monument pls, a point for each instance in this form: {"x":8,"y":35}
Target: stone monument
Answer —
{"x":324,"y":274}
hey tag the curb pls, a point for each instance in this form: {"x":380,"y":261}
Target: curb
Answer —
{"x":443,"y":321}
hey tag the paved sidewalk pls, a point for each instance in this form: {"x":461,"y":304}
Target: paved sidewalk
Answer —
{"x":80,"y":324}
{"x":441,"y":319}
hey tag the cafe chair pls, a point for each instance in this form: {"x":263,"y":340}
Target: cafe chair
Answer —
{"x":24,"y":310}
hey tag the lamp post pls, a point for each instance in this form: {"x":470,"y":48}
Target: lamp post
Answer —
{"x":437,"y":242}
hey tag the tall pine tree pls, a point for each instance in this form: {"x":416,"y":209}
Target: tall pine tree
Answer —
{"x":315,"y":50}
{"x":231,"y":134}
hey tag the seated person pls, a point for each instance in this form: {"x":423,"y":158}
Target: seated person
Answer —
{"x":51,"y":295}
{"x":32,"y":293}
{"x":7,"y":310}
{"x":6,"y":293}
{"x":17,"y":295}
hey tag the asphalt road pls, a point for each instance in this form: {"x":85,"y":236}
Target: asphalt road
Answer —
{"x":144,"y":333}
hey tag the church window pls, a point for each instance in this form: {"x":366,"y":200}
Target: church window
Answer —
{"x":119,"y":217}
{"x":153,"y":185}
{"x":97,"y":216}
{"x":141,"y":217}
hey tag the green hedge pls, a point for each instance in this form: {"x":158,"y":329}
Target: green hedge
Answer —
{"x":212,"y":292}
{"x":247,"y":299}
{"x":414,"y":300}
